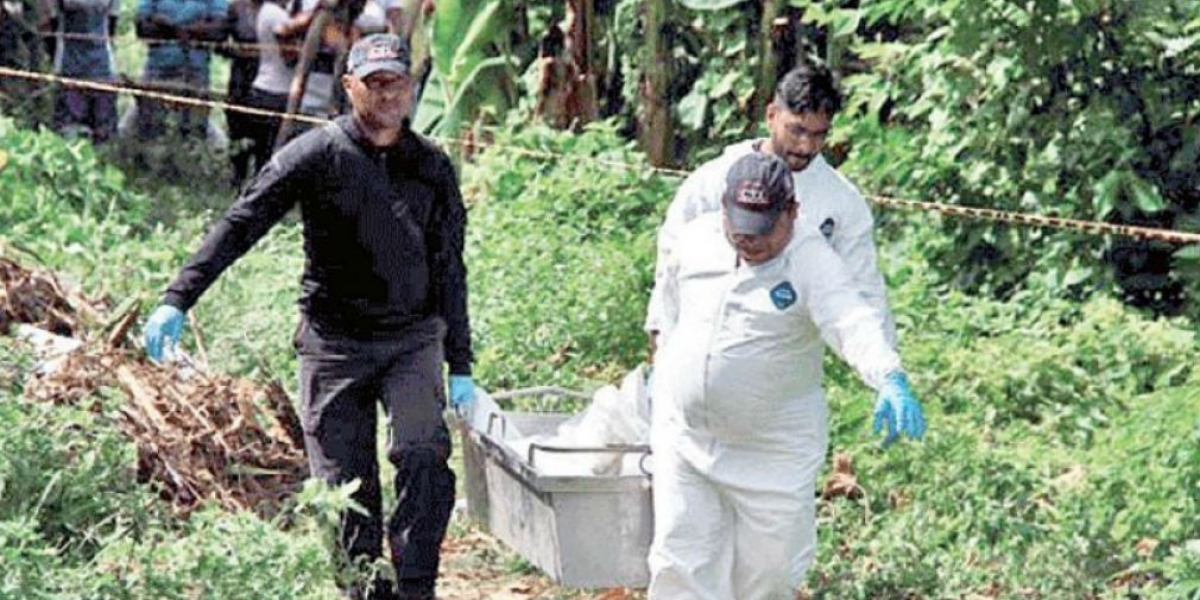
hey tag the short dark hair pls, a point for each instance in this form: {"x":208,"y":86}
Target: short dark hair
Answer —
{"x":809,"y":87}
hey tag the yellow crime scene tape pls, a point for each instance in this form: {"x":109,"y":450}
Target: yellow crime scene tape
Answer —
{"x":1032,"y":220}
{"x":100,"y":86}
{"x":966,"y":212}
{"x":201,"y":44}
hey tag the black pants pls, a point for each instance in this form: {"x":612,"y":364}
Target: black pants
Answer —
{"x":260,"y":130}
{"x":342,"y":382}
{"x":93,"y":111}
{"x":241,"y":140}
{"x":156,"y":117}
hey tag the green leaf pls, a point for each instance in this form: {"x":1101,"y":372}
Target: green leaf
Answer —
{"x":1108,"y":190}
{"x":484,"y":28}
{"x":1077,"y":275}
{"x":467,"y":35}
{"x":1145,"y":196}
{"x":433,"y":103}
{"x":807,"y":5}
{"x":884,"y":52}
{"x":449,"y":22}
{"x":1172,"y":46}
{"x":725,"y":85}
{"x":845,"y":22}
{"x":692,"y":110}
{"x":1189,"y":254}
{"x":471,"y":94}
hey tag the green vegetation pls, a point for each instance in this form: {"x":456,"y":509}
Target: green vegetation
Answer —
{"x":560,"y":258}
{"x":1058,"y":369}
{"x":1060,"y":462}
{"x":71,"y":526}
{"x":1063,"y":459}
{"x":1083,"y":109}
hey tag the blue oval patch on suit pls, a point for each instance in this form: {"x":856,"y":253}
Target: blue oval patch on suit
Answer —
{"x":783,"y":295}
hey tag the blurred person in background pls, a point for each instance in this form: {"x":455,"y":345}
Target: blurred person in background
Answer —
{"x":279,"y":37}
{"x":242,"y":49}
{"x":82,"y":32}
{"x":180,"y":36}
{"x":322,"y":97}
{"x":269,"y":88}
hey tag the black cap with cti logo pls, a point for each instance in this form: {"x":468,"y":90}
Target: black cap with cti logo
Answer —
{"x":758,"y":187}
{"x":378,"y":52}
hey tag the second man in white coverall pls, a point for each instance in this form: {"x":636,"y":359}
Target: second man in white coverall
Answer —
{"x":798,"y":120}
{"x":740,"y":422}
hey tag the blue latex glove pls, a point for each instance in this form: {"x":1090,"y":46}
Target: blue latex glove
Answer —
{"x":898,"y":411}
{"x":462,"y":391}
{"x":163,"y":329}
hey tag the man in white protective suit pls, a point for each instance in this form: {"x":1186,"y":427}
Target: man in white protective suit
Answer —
{"x":740,"y":423}
{"x":798,"y":120}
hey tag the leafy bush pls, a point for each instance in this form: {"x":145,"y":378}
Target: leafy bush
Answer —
{"x":29,"y":566}
{"x":1067,"y":373}
{"x":1012,"y":513}
{"x":172,"y":163}
{"x":67,"y":471}
{"x":15,"y":362}
{"x":215,"y":555}
{"x":1004,"y":106}
{"x":76,"y":215}
{"x":1147,"y":468}
{"x":1064,"y":366}
{"x":1046,"y":463}
{"x":560,"y":257}
{"x":79,"y":216}
{"x":1182,"y":569}
{"x":72,"y":526}
{"x":57,"y":189}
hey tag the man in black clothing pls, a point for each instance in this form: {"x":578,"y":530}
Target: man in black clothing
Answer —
{"x":383,"y":303}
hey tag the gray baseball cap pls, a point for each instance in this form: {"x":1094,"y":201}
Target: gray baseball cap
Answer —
{"x":378,"y":52}
{"x":758,"y":187}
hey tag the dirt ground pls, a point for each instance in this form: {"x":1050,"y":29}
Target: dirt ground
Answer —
{"x":477,"y":566}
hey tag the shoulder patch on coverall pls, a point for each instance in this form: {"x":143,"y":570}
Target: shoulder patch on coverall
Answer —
{"x":827,"y":228}
{"x":783,"y":295}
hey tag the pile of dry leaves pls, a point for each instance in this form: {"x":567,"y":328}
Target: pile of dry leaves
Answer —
{"x":38,"y":299}
{"x":200,"y":436}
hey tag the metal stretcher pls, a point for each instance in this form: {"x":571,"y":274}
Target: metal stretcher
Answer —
{"x":582,"y":531}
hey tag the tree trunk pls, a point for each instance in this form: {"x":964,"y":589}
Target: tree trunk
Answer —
{"x":566,"y":92}
{"x":555,"y":80}
{"x":785,"y":39}
{"x":764,"y":83}
{"x":581,"y":19}
{"x":655,"y":128}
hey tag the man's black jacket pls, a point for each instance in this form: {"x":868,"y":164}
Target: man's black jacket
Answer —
{"x":383,"y":235}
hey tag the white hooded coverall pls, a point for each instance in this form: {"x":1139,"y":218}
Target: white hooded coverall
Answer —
{"x":740,"y":422}
{"x":829,"y":205}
